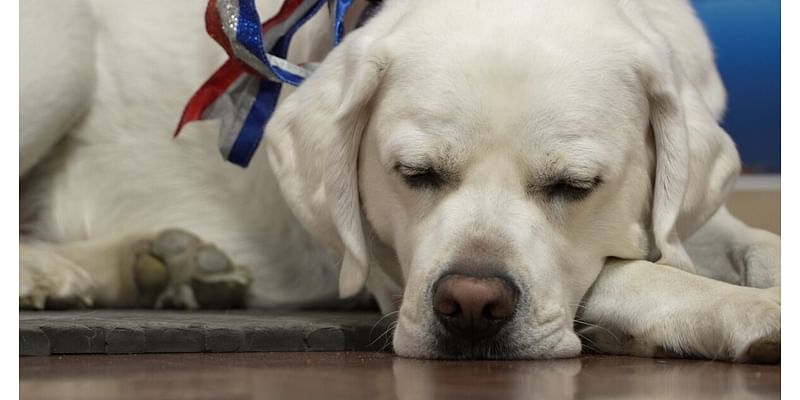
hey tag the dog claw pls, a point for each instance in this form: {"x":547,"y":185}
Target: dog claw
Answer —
{"x":86,"y":301}
{"x":32,"y":302}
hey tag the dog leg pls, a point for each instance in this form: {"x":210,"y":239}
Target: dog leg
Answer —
{"x":645,"y":309}
{"x":172,"y":269}
{"x":727,"y":249}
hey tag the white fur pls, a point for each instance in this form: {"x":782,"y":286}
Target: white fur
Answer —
{"x":504,"y":95}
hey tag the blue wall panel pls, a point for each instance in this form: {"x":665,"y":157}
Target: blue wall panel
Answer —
{"x":747,"y":41}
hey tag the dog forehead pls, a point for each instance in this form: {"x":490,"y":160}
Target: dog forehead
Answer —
{"x":444,"y":27}
{"x":511,"y":75}
{"x":520,"y":37}
{"x":505,"y":58}
{"x":523,"y":109}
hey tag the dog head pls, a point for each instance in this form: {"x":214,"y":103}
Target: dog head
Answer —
{"x":495,"y":155}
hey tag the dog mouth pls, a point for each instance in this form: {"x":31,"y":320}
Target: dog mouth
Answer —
{"x":499,"y":347}
{"x":513,"y":341}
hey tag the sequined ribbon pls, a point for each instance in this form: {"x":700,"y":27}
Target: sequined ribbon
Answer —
{"x":244,"y":91}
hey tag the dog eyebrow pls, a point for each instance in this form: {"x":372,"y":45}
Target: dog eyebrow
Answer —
{"x":410,"y":167}
{"x":425,"y":165}
{"x":438,"y":158}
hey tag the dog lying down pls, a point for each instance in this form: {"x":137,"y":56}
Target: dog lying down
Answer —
{"x":509,"y":177}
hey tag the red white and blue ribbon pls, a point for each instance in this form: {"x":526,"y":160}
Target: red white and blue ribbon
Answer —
{"x":244,"y":91}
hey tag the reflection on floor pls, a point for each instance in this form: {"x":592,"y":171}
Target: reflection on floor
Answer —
{"x":371,"y":375}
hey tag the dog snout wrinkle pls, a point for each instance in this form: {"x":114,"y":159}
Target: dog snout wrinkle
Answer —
{"x":472,"y":307}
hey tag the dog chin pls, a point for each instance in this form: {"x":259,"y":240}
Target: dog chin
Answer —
{"x":416,"y":343}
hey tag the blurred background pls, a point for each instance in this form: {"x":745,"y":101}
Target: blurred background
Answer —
{"x":746,"y":35}
{"x":747,"y":40}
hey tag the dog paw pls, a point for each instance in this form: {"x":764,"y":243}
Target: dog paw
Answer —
{"x":178,"y":270}
{"x":754,"y":326}
{"x":744,"y":326}
{"x":47,"y":280}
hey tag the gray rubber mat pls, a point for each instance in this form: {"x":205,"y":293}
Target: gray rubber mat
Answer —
{"x":149,"y":331}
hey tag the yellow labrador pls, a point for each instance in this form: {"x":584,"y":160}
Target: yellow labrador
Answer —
{"x":508,"y":175}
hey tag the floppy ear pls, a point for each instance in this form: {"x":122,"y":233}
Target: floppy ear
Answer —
{"x":312,"y":142}
{"x":696,"y":161}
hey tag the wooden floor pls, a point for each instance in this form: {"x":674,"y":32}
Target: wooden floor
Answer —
{"x":383,"y":376}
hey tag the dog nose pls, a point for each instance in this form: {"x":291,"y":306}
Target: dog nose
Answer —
{"x":474,"y":307}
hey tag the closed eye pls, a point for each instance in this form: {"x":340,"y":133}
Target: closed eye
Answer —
{"x":420,"y":177}
{"x":569,"y":189}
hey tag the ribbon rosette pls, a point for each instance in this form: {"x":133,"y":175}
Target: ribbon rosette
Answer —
{"x":244,"y":91}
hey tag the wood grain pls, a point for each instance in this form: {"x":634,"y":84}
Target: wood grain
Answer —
{"x":367,"y":375}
